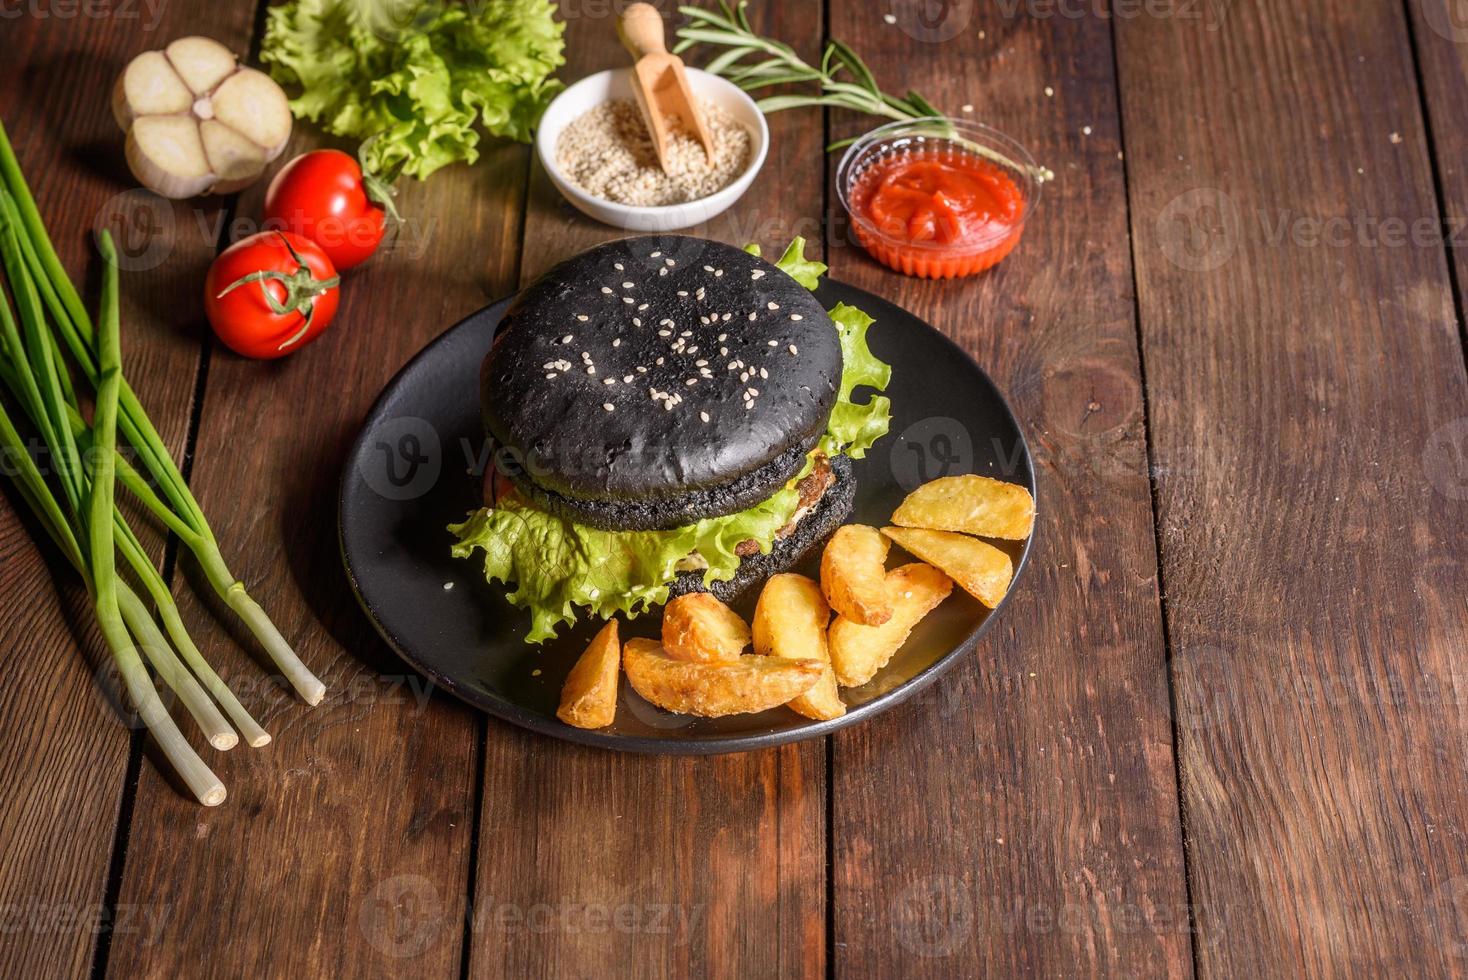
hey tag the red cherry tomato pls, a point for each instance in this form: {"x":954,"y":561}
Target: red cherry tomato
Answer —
{"x":324,"y":196}
{"x":270,"y":294}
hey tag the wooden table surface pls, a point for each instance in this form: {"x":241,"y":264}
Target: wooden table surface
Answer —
{"x":1220,"y":729}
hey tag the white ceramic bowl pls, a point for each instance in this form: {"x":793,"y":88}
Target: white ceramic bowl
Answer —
{"x":617,"y":84}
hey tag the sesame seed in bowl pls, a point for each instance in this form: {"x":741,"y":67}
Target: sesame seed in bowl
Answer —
{"x":608,"y":153}
{"x":595,"y":149}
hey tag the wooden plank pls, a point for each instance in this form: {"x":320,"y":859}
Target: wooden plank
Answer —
{"x":1440,"y":44}
{"x":592,"y":863}
{"x":63,"y":747}
{"x":1020,"y":818}
{"x":1304,"y":364}
{"x":344,"y":848}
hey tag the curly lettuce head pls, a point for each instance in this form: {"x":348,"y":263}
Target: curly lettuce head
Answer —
{"x":416,"y":80}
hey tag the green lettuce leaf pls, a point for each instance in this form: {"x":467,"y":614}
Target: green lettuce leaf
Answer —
{"x":855,"y":426}
{"x":416,"y":79}
{"x":794,"y":264}
{"x":557,"y":565}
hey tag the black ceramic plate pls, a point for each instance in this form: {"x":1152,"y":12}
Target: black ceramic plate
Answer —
{"x":418,"y":465}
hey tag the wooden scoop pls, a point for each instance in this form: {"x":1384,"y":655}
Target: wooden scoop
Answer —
{"x":659,"y":81}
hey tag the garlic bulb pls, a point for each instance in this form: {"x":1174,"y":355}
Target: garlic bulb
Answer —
{"x":196,"y":121}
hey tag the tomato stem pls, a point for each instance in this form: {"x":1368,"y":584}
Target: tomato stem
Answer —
{"x":380,"y":192}
{"x":301,"y":288}
{"x":380,"y":189}
{"x":305,"y":329}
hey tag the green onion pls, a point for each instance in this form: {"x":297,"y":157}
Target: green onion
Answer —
{"x":157,"y":590}
{"x":158,"y":653}
{"x":48,"y":323}
{"x":76,"y":331}
{"x":193,"y":771}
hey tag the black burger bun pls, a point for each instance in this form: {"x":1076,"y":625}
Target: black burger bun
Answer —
{"x":655,"y":381}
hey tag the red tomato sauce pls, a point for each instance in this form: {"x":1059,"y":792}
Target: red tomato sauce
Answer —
{"x":937,"y":212}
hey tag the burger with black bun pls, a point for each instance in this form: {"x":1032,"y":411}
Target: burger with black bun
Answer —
{"x":667,"y":414}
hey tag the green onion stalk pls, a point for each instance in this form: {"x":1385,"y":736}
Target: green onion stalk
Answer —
{"x":176,"y":508}
{"x":79,"y":539}
{"x":843,"y":80}
{"x":220,"y":736}
{"x":196,"y":774}
{"x":100,"y":506}
{"x":83,"y":519}
{"x":54,"y":389}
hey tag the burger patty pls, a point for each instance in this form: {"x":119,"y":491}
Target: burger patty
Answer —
{"x":811,"y":488}
{"x":802,"y":538}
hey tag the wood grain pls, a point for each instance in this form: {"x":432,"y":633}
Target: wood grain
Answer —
{"x":591,"y":863}
{"x":344,"y":848}
{"x":1302,"y":363}
{"x":64,"y":746}
{"x":1305,"y":388}
{"x":1440,"y":48}
{"x":1020,"y":818}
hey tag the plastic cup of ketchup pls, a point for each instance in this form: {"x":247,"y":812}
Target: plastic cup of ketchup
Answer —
{"x":937,"y":198}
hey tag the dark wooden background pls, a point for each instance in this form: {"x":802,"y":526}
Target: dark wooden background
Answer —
{"x":1220,"y":730}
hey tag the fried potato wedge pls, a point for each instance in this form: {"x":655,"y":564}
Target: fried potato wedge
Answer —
{"x":858,"y":652}
{"x":971,"y":504}
{"x":853,"y":568}
{"x":790,"y":621}
{"x":698,"y":627}
{"x":980,"y":569}
{"x":589,"y":696}
{"x":715,"y":689}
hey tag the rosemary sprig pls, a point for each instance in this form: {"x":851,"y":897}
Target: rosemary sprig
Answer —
{"x":843,"y":79}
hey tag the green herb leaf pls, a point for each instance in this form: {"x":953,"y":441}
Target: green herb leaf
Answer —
{"x":838,"y":61}
{"x":727,"y":59}
{"x":923,"y":105}
{"x":856,"y":66}
{"x":775,"y":103}
{"x":707,"y":16}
